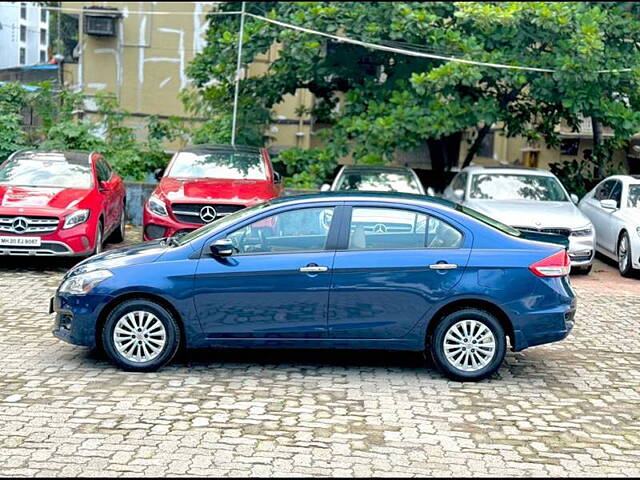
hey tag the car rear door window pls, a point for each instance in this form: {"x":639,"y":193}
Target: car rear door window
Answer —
{"x":291,"y":231}
{"x":374,"y":228}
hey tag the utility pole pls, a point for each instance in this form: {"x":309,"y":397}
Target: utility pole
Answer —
{"x":238,"y":66}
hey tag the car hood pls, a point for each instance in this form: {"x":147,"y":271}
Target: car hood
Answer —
{"x":41,"y":197}
{"x":133,"y":255}
{"x":243,"y":192}
{"x":532,"y":214}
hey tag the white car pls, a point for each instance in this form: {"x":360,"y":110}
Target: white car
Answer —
{"x":527,"y":199}
{"x":613,"y":207}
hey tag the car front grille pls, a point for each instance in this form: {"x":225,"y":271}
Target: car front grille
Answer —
{"x":23,"y":225}
{"x":199,"y":213}
{"x":566,"y":232}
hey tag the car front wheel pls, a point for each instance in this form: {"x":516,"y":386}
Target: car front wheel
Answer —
{"x":140,"y":335}
{"x":624,"y":255}
{"x":468,"y":345}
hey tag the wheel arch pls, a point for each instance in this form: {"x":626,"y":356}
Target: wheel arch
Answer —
{"x":477,"y":304}
{"x":163,"y":302}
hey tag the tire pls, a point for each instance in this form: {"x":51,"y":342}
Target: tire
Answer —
{"x":151,"y":353}
{"x":457,"y":325}
{"x":99,"y":239}
{"x":118,"y":234}
{"x":624,"y":255}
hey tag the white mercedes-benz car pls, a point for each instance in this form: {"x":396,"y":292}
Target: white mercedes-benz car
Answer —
{"x":613,"y":207}
{"x":527,"y":199}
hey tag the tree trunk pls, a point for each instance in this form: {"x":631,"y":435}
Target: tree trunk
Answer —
{"x":476,"y":145}
{"x":598,"y":153}
{"x":444,"y":154}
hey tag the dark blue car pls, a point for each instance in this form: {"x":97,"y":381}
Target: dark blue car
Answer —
{"x":357,"y":271}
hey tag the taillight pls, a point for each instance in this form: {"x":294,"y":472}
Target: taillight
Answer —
{"x":556,"y":265}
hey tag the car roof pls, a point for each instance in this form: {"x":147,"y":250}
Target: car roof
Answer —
{"x":393,"y":197}
{"x":205,"y":148}
{"x":507,"y":169}
{"x":624,"y":178}
{"x":72,"y":156}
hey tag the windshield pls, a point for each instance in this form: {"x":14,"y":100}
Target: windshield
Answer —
{"x":488,"y":221}
{"x":223,"y":165}
{"x":220,"y":223}
{"x":40,"y":172}
{"x":379,"y":181}
{"x":634,"y":196}
{"x":493,"y":186}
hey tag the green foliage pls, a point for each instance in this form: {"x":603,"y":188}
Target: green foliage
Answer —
{"x":305,"y":168}
{"x":395,"y":101}
{"x":12,"y":136}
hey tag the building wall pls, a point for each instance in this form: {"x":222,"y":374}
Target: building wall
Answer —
{"x":10,"y":35}
{"x":144,"y":64}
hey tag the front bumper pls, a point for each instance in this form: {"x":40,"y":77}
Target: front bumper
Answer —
{"x":76,"y":318}
{"x":75,"y":241}
{"x":157,"y":226}
{"x":582,"y":250}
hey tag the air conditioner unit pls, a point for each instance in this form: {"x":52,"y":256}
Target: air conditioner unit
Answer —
{"x":101,"y":21}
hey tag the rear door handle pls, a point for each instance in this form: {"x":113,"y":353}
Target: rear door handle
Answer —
{"x":313,"y":269}
{"x":443,"y":266}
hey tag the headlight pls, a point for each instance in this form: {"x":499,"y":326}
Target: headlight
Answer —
{"x":583,"y":232}
{"x":83,"y":283}
{"x":157,"y":206}
{"x":76,"y":218}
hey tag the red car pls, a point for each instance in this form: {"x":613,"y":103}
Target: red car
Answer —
{"x":59,"y":203}
{"x":207,"y":182}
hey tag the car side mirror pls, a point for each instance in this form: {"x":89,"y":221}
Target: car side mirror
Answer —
{"x":609,"y":204}
{"x":277,"y":178}
{"x":325,"y":187}
{"x":158,"y":173}
{"x":222,"y":248}
{"x":574,"y":198}
{"x":431,"y":192}
{"x":459,"y":193}
{"x":103,"y":186}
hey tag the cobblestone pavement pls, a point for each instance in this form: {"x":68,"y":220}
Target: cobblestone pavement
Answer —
{"x":571,"y":408}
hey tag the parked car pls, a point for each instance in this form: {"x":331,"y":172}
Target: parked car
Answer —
{"x":279,"y":275}
{"x":375,"y":179}
{"x":207,"y":182}
{"x":529,"y":200}
{"x":59,"y":203}
{"x":613,"y":207}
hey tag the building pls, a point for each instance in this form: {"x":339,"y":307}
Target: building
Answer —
{"x":24,"y":34}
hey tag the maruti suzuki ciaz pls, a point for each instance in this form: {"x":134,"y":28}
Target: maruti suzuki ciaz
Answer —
{"x":329,"y":270}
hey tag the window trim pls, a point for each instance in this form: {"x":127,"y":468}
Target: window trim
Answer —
{"x":343,"y":245}
{"x":330,"y":244}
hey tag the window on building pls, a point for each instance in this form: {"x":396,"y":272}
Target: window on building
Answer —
{"x":43,"y":36}
{"x":43,"y":56}
{"x":23,"y":33}
{"x":486,"y":147}
{"x":43,"y":15}
{"x":23,"y":11}
{"x":23,"y":56}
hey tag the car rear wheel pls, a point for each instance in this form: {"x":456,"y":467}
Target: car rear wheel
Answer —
{"x":468,"y":344}
{"x":624,"y":255}
{"x":118,"y":234}
{"x":140,"y":336}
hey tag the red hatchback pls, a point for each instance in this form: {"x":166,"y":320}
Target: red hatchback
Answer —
{"x":207,"y":182}
{"x":59,"y":203}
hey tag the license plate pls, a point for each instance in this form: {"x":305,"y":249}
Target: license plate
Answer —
{"x":20,"y":241}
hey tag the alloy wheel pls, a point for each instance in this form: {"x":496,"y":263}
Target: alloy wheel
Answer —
{"x":623,"y":253}
{"x":469,"y":345}
{"x":139,"y":336}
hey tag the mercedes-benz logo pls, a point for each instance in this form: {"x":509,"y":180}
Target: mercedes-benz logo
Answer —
{"x":20,"y":225}
{"x":380,"y":228}
{"x":208,"y":214}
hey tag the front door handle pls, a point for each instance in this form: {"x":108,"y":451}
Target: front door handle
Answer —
{"x":312,"y":268}
{"x":443,"y":266}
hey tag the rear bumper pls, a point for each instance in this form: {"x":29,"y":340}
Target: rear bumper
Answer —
{"x":541,"y":328}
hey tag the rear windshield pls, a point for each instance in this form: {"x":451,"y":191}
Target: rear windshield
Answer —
{"x":378,"y":181}
{"x":222,"y":165}
{"x":43,"y":171}
{"x":489,"y":221}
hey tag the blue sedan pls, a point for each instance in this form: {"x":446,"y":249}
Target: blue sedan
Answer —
{"x":335,"y":270}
